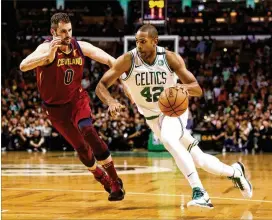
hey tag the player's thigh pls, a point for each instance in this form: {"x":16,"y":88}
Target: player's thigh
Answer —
{"x":184,"y":118}
{"x":81,"y":109}
{"x":155,"y":127}
{"x":172,"y":128}
{"x":164,"y":128}
{"x":69,"y":132}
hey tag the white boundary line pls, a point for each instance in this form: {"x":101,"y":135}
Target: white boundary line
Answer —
{"x":70,"y":170}
{"x":133,"y":194}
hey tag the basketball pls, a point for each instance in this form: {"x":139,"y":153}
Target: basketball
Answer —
{"x":173,"y":101}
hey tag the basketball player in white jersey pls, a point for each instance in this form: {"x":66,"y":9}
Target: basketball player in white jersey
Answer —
{"x":148,"y":70}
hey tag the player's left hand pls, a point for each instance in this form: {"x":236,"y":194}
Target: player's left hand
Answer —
{"x":115,"y":108}
{"x":183,"y":87}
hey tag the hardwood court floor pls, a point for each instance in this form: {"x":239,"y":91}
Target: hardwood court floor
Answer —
{"x":56,"y":186}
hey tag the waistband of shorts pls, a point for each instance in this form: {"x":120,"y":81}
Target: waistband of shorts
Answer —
{"x":152,"y":117}
{"x":55,"y":105}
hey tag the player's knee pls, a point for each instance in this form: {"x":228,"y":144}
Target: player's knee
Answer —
{"x":167,"y":141}
{"x":102,"y":156}
{"x":83,"y":123}
{"x":188,"y":141}
{"x":198,"y":162}
{"x":85,"y":155}
{"x":171,"y":144}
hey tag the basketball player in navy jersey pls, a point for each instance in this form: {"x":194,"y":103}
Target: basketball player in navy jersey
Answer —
{"x":59,"y":66}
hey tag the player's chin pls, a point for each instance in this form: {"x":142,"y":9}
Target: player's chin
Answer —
{"x":143,"y":55}
{"x":66,"y":42}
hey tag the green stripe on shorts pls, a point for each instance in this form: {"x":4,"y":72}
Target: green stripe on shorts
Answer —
{"x":152,"y":117}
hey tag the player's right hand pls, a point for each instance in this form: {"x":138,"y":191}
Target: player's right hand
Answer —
{"x":115,"y":108}
{"x":54,"y":45}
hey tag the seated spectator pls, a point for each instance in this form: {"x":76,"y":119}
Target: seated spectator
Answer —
{"x":36,"y":142}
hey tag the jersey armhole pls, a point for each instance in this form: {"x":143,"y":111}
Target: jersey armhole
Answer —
{"x":165,"y":60}
{"x":78,"y":46}
{"x":124,"y":78}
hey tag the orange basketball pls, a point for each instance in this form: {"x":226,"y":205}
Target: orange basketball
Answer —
{"x":173,"y":102}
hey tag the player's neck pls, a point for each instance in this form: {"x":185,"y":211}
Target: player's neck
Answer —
{"x":150,"y":60}
{"x":66,"y":48}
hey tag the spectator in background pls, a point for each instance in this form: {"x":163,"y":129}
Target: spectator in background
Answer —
{"x":230,"y":137}
{"x":36,"y":142}
{"x":265,"y":136}
{"x":219,"y":135}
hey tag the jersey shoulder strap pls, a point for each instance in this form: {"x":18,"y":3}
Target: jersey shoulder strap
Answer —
{"x":133,"y":54}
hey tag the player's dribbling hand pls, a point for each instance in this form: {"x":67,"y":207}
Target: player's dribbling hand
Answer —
{"x":54,"y":45}
{"x":115,"y":108}
{"x":183,"y":87}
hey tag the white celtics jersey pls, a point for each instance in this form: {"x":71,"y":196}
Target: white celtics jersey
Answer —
{"x":146,"y":82}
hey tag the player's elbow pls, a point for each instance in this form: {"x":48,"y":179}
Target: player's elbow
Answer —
{"x":23,"y":67}
{"x":111,"y":61}
{"x":200,"y":92}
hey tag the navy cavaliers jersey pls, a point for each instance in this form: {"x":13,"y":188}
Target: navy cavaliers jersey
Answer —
{"x":61,"y":79}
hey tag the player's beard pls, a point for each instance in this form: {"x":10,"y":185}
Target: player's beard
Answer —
{"x":66,"y":41}
{"x":142,"y":54}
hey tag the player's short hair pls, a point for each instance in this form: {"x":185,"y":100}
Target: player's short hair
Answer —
{"x":150,"y":29}
{"x":59,"y":17}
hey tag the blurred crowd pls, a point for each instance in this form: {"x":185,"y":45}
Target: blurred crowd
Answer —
{"x":236,"y":105}
{"x":237,"y":102}
{"x":235,"y":108}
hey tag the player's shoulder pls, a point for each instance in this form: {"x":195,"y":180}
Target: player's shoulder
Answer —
{"x":173,"y":59}
{"x":124,"y":62}
{"x":172,"y":56}
{"x":125,"y":58}
{"x":128,"y":56}
{"x":82,"y":43}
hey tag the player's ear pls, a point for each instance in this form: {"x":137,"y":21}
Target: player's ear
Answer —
{"x":156,"y":40}
{"x":53,"y":32}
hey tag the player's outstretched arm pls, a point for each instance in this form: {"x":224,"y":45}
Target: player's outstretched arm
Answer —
{"x":121,"y":65}
{"x":96,"y":53}
{"x":43,"y":55}
{"x":176,"y":63}
{"x":100,"y":56}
